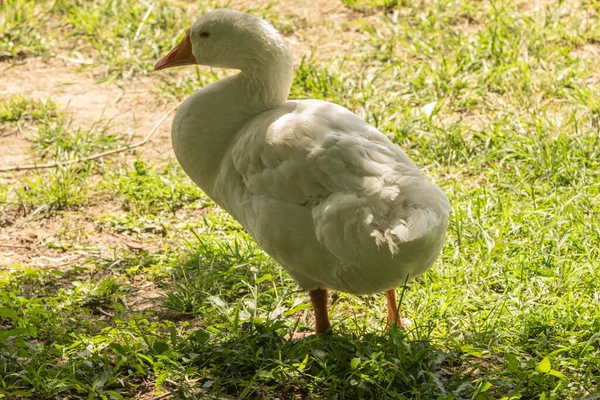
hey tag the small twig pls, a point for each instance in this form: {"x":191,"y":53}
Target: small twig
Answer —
{"x":105,"y":312}
{"x":162,"y":396}
{"x":95,"y":156}
{"x":75,"y":60}
{"x":20,"y":128}
{"x":16,"y":246}
{"x":139,"y":29}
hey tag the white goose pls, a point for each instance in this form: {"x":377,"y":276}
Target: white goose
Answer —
{"x":328,"y":196}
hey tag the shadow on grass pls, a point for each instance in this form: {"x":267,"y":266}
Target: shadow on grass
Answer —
{"x":242,"y":351}
{"x":216,"y":335}
{"x":259,"y":362}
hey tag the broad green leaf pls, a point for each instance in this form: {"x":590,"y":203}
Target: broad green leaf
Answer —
{"x":544,"y":365}
{"x":8,"y":313}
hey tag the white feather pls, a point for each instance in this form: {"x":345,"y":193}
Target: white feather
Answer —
{"x":328,"y":196}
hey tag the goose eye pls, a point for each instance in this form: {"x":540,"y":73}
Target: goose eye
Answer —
{"x":204,"y":34}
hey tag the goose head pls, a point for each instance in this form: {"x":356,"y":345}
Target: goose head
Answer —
{"x":229,"y":39}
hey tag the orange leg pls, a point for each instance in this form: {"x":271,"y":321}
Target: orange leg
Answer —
{"x":393,"y":314}
{"x":318,"y":298}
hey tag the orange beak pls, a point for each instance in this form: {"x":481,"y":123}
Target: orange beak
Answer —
{"x":180,"y":55}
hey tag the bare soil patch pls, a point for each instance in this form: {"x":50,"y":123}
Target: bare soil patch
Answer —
{"x":60,"y":240}
{"x":321,"y":28}
{"x":126,"y":107}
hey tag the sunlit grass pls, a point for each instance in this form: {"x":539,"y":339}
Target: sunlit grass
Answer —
{"x":498,"y":101}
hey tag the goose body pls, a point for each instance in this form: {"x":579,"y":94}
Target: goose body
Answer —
{"x":329,"y":197}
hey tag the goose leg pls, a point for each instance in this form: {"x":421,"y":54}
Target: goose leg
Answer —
{"x":318,"y":298}
{"x":393,"y":314}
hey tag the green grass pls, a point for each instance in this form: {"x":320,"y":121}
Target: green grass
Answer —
{"x":20,"y":33}
{"x":21,"y":109}
{"x":117,"y":38}
{"x":64,"y":187}
{"x":373,"y":5}
{"x":57,"y":141}
{"x":145,"y":191}
{"x":58,"y":189}
{"x":498,"y":101}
